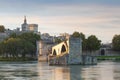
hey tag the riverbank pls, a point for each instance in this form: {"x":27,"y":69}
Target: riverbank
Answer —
{"x":17,"y":59}
{"x":117,"y":58}
{"x":108,"y":58}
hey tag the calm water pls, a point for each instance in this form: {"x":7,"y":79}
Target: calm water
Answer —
{"x":106,"y":70}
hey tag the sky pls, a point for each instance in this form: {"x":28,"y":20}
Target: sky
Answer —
{"x":91,"y":17}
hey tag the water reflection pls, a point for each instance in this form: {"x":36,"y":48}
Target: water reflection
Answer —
{"x":102,"y":71}
{"x":75,"y":72}
{"x":42,"y":71}
{"x":53,"y":72}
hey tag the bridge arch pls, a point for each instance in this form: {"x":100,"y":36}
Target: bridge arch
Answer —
{"x":54,"y":52}
{"x":60,"y":48}
{"x":63,"y":49}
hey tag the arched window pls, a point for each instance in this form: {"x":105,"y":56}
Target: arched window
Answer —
{"x":63,"y":49}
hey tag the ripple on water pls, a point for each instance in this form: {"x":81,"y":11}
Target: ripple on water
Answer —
{"x":42,"y":71}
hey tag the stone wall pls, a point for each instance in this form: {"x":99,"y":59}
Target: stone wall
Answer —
{"x":111,"y":53}
{"x":59,"y":60}
{"x":74,"y":55}
{"x":98,"y":53}
{"x":43,"y":50}
{"x":75,"y":51}
{"x":88,"y":60}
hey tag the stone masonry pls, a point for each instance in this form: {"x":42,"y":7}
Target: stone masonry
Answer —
{"x":71,"y":55}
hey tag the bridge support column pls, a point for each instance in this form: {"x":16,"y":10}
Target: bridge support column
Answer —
{"x":75,"y":51}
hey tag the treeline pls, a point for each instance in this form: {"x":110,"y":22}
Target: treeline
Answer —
{"x":116,"y":43}
{"x":2,"y":28}
{"x":19,"y":46}
{"x":91,"y":43}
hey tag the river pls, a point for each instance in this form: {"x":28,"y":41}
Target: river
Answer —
{"x":105,"y":70}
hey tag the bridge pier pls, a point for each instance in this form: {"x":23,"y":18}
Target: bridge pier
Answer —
{"x":72,"y":54}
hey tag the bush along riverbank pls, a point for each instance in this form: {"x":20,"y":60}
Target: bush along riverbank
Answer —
{"x":116,"y":58}
{"x":17,"y":59}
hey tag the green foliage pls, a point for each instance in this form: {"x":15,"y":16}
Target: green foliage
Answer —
{"x":23,"y":45}
{"x":76,"y":34}
{"x":2,"y":28}
{"x":90,"y":44}
{"x":116,"y":42}
{"x":13,"y":35}
{"x":31,"y":37}
{"x":2,"y":48}
{"x":84,"y":45}
{"x":82,"y":36}
{"x":93,"y":43}
{"x":57,"y":40}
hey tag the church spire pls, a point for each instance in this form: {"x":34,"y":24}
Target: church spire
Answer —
{"x":25,"y":21}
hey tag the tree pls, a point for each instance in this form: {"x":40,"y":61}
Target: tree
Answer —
{"x":82,"y":36}
{"x":13,"y":35}
{"x":90,"y":44}
{"x":30,"y":36}
{"x":2,"y":48}
{"x":76,"y":34}
{"x":23,"y":45}
{"x":16,"y":47}
{"x":116,"y":42}
{"x":93,"y":43}
{"x":2,"y":28}
{"x":27,"y":48}
{"x":57,"y":40}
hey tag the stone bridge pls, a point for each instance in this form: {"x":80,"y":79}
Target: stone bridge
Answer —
{"x":70,"y":52}
{"x":60,"y":49}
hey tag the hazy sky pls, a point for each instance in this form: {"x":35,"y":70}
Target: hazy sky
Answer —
{"x":98,"y":17}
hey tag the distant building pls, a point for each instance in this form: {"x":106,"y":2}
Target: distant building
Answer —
{"x":33,"y":27}
{"x":29,"y":27}
{"x":9,"y":32}
{"x":47,"y":38}
{"x":25,"y":28}
{"x":24,"y":25}
{"x":65,"y":35}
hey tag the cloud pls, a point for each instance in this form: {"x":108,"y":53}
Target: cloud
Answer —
{"x":89,"y":18}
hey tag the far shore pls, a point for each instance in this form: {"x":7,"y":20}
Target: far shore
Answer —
{"x":17,"y":59}
{"x":115,"y":58}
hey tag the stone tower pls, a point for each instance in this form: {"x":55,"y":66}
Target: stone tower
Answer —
{"x":75,"y":51}
{"x":25,"y":25}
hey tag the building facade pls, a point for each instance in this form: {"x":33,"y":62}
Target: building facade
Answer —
{"x":29,"y":27}
{"x":33,"y":27}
